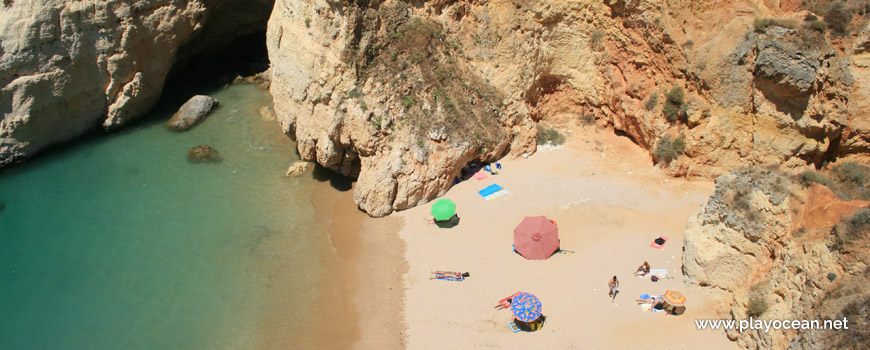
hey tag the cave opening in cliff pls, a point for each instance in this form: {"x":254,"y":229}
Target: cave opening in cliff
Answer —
{"x":199,"y":69}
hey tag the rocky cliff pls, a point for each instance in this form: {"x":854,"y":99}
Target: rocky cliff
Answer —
{"x":750,"y":82}
{"x":69,"y":67}
{"x":783,"y":253}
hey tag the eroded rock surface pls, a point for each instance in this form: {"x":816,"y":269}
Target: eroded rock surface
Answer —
{"x":342,"y":70}
{"x":774,"y":246}
{"x":297,"y":168}
{"x":192,"y":111}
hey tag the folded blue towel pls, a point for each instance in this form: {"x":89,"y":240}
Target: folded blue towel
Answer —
{"x":490,"y":190}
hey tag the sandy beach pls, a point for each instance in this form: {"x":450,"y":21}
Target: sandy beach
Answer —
{"x":360,"y":305}
{"x":610,"y":203}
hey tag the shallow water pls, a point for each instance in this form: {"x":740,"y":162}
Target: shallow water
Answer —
{"x":117,"y":242}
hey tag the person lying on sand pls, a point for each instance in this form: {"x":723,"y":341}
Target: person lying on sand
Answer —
{"x":505,"y":304}
{"x":650,"y":300}
{"x":642,"y":270}
{"x":658,"y":303}
{"x":443,"y":274}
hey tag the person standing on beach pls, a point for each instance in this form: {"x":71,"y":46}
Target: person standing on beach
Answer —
{"x":613,"y":285}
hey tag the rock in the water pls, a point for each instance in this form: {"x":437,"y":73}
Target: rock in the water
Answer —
{"x":192,"y":111}
{"x":68,"y":66}
{"x":267,"y":113}
{"x":203,"y":154}
{"x":297,"y":168}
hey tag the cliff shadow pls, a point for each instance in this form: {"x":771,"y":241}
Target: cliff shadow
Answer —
{"x":212,"y":69}
{"x":337,"y":181}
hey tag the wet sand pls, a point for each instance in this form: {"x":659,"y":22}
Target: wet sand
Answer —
{"x":361,"y":307}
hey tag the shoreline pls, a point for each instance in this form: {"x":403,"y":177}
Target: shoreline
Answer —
{"x":358,"y":308}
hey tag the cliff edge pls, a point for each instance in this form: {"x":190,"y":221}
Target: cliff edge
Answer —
{"x":403,"y":94}
{"x":785,"y":250}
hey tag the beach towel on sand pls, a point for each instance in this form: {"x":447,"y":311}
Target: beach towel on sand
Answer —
{"x":490,"y":190}
{"x":480,"y":175}
{"x":660,"y":273}
{"x":659,"y":246}
{"x":496,"y":195}
{"x":454,"y":279}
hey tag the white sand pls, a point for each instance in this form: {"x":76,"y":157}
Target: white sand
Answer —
{"x":609,"y":205}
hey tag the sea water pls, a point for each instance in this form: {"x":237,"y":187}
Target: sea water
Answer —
{"x":118,"y":242}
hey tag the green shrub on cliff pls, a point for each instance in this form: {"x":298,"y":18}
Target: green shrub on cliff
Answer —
{"x":861,"y":219}
{"x":809,"y":177}
{"x":550,"y":136}
{"x":652,"y":101}
{"x":408,"y":101}
{"x":819,"y":26}
{"x":838,"y":19}
{"x":850,"y":178}
{"x":674,"y":101}
{"x":595,"y":39}
{"x":761,"y":25}
{"x":756,"y":306}
{"x":851,"y":173}
{"x":851,"y":229}
{"x":668,"y":149}
{"x":846,"y":180}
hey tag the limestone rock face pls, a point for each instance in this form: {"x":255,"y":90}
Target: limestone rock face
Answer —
{"x":787,"y":96}
{"x":385,"y":94}
{"x":191,"y":112}
{"x":762,"y":238}
{"x":68,"y":67}
{"x":297,"y":168}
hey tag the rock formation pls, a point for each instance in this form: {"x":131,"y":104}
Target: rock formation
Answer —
{"x":203,"y":154}
{"x":267,"y":113}
{"x":69,"y":67}
{"x":773,"y":245}
{"x":191,"y":112}
{"x":364,"y":98}
{"x":297,"y":168}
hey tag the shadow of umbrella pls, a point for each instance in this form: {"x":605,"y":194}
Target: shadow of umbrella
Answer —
{"x":451,"y":223}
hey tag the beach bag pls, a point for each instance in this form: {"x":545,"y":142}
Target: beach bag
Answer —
{"x":654,"y":278}
{"x":660,"y":241}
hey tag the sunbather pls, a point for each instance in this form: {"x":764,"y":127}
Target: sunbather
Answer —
{"x":506,"y":302}
{"x":449,"y":274}
{"x":650,"y":300}
{"x":642,"y":270}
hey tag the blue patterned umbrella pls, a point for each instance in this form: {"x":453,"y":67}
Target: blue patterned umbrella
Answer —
{"x":526,"y":307}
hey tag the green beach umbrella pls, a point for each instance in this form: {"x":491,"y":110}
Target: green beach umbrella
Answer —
{"x":443,"y":209}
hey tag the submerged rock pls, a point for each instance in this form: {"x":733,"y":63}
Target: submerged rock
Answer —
{"x":191,"y":112}
{"x":297,"y":168}
{"x":203,"y":154}
{"x":267,"y":113}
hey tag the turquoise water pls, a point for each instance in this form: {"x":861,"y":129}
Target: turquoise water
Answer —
{"x":117,"y":242}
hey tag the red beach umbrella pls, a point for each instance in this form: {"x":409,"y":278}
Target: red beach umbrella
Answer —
{"x":536,"y":238}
